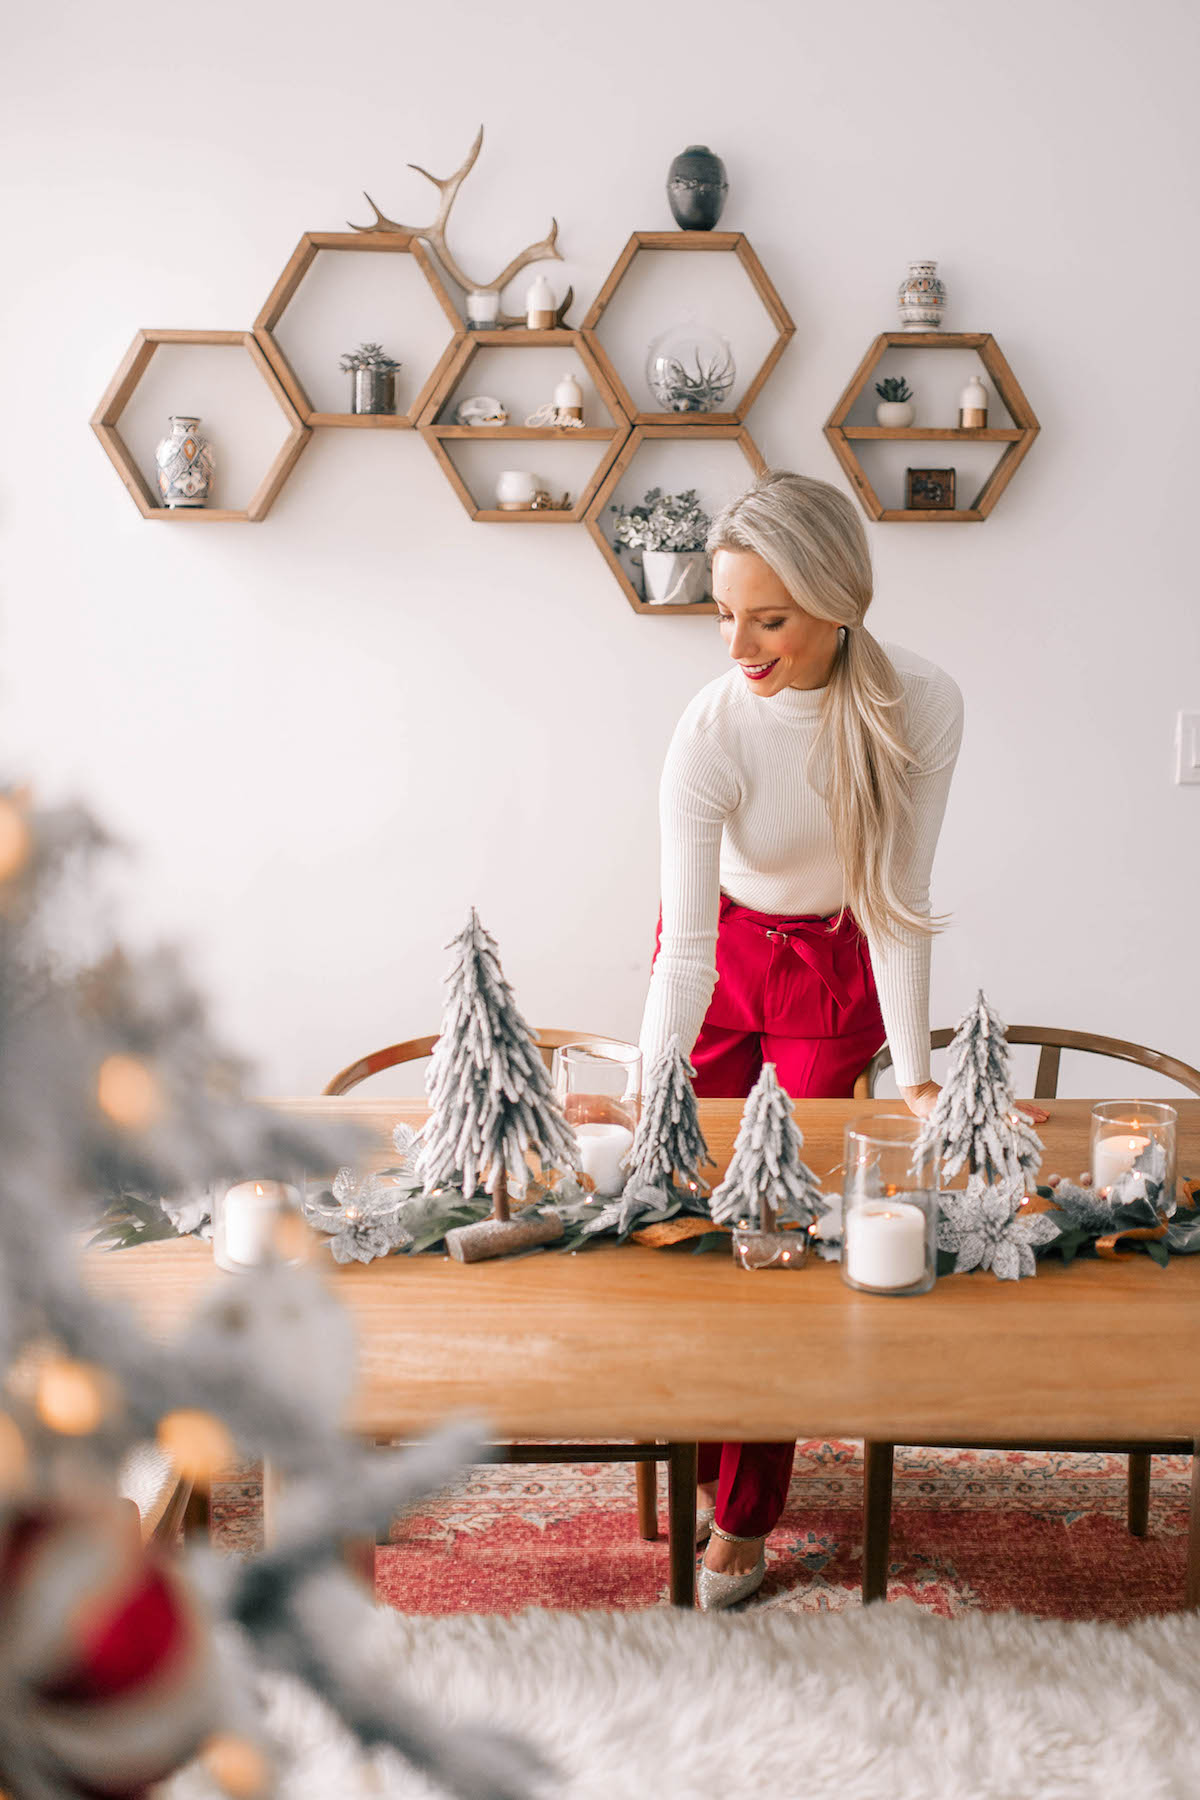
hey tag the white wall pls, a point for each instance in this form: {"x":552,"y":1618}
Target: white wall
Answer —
{"x":329,"y":733}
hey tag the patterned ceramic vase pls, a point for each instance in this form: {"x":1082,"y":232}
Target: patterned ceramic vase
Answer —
{"x":185,"y":464}
{"x":696,"y":188}
{"x":922,"y":297}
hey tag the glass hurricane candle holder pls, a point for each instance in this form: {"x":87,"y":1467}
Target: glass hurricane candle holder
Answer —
{"x":785,"y":1248}
{"x":1134,"y":1135}
{"x":255,"y":1223}
{"x":599,"y":1087}
{"x":890,"y":1208}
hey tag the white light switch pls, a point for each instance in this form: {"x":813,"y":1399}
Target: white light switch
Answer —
{"x":1187,"y":748}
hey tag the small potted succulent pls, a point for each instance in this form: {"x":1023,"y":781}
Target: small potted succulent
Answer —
{"x":669,"y":530}
{"x":374,"y":389}
{"x":895,"y":408}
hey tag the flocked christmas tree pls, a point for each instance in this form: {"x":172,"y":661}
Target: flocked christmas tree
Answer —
{"x":491,"y":1104}
{"x":768,"y":1183}
{"x":975,"y":1121}
{"x":667,"y":1153}
{"x":110,"y":1080}
{"x":668,"y":1148}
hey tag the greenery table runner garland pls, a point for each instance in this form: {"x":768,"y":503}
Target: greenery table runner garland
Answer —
{"x":491,"y":1105}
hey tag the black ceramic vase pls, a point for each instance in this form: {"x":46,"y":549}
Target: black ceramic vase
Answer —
{"x":696,"y":188}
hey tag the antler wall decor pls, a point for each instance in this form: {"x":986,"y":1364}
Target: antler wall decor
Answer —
{"x":435,"y":236}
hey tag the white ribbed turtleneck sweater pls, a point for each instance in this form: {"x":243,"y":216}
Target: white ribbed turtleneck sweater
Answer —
{"x":740,"y":815}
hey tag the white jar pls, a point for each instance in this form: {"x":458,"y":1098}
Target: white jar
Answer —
{"x":515,"y":489}
{"x":568,"y":397}
{"x":483,"y":309}
{"x":973,"y":405}
{"x":896,"y":415}
{"x":540,"y":305}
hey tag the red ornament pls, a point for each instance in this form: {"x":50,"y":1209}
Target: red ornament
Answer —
{"x":105,"y":1662}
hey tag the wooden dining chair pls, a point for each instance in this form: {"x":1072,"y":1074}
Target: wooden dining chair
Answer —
{"x":413,"y":1049}
{"x":879,"y":1457}
{"x":648,"y":1455}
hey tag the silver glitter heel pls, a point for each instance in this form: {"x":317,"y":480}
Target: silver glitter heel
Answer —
{"x":715,"y":1591}
{"x":704,"y":1523}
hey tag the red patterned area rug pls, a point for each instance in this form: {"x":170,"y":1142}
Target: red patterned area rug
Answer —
{"x":972,"y":1531}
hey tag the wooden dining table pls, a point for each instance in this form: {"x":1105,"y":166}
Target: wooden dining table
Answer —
{"x":642,"y":1345}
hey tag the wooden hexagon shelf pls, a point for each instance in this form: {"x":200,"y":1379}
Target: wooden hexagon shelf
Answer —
{"x":732,"y":434}
{"x":1018,"y":439}
{"x":733,"y":243}
{"x":400,"y":243}
{"x":106,"y":418}
{"x":438,"y":433}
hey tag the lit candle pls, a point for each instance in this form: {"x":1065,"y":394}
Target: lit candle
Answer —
{"x":885,"y":1244}
{"x":601,"y":1149}
{"x":250,"y":1211}
{"x":1115,"y":1156}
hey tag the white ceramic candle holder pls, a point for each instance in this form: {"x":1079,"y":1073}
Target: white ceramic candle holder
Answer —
{"x":1126,"y":1133}
{"x":890,"y":1208}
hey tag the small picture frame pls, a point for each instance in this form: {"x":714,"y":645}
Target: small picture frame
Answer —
{"x":929,"y":490}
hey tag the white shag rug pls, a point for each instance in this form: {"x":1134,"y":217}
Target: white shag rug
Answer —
{"x":885,"y":1704}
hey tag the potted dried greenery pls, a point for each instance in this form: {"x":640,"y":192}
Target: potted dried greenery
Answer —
{"x":669,"y":530}
{"x":374,"y":389}
{"x":895,"y":407}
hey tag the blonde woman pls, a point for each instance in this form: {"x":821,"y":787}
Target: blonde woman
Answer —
{"x":801,"y":803}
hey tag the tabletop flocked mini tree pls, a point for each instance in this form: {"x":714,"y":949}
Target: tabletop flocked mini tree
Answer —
{"x":976,"y":1122}
{"x":768,"y":1183}
{"x":667,"y":1153}
{"x":491,"y":1105}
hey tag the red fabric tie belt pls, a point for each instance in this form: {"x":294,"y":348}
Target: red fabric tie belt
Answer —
{"x":814,"y":942}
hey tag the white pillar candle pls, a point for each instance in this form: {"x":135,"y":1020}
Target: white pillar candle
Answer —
{"x":250,"y":1211}
{"x":885,"y":1244}
{"x":1115,"y":1156}
{"x":601,"y":1149}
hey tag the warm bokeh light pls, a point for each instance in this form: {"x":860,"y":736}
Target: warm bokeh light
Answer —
{"x":14,"y":1459}
{"x":197,"y":1443}
{"x":16,"y":840}
{"x":237,"y":1766}
{"x":128,"y":1092}
{"x":71,"y":1397}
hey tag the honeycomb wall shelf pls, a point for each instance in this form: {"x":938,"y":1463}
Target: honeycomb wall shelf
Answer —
{"x":642,"y":434}
{"x":1018,"y":439}
{"x":105,"y":423}
{"x":437,"y":432}
{"x":398,"y":243}
{"x":690,"y":242}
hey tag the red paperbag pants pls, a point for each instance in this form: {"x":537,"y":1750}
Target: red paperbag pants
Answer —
{"x":797,"y":993}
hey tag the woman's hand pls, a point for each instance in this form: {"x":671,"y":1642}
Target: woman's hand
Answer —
{"x":921,"y":1100}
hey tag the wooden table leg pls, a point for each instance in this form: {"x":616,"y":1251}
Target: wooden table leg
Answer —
{"x":197,"y":1515}
{"x":647,"y":1500}
{"x":272,"y":1488}
{"x":1137,"y":1498}
{"x":681,"y":1521}
{"x":877,"y":1519}
{"x":1193,"y":1561}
